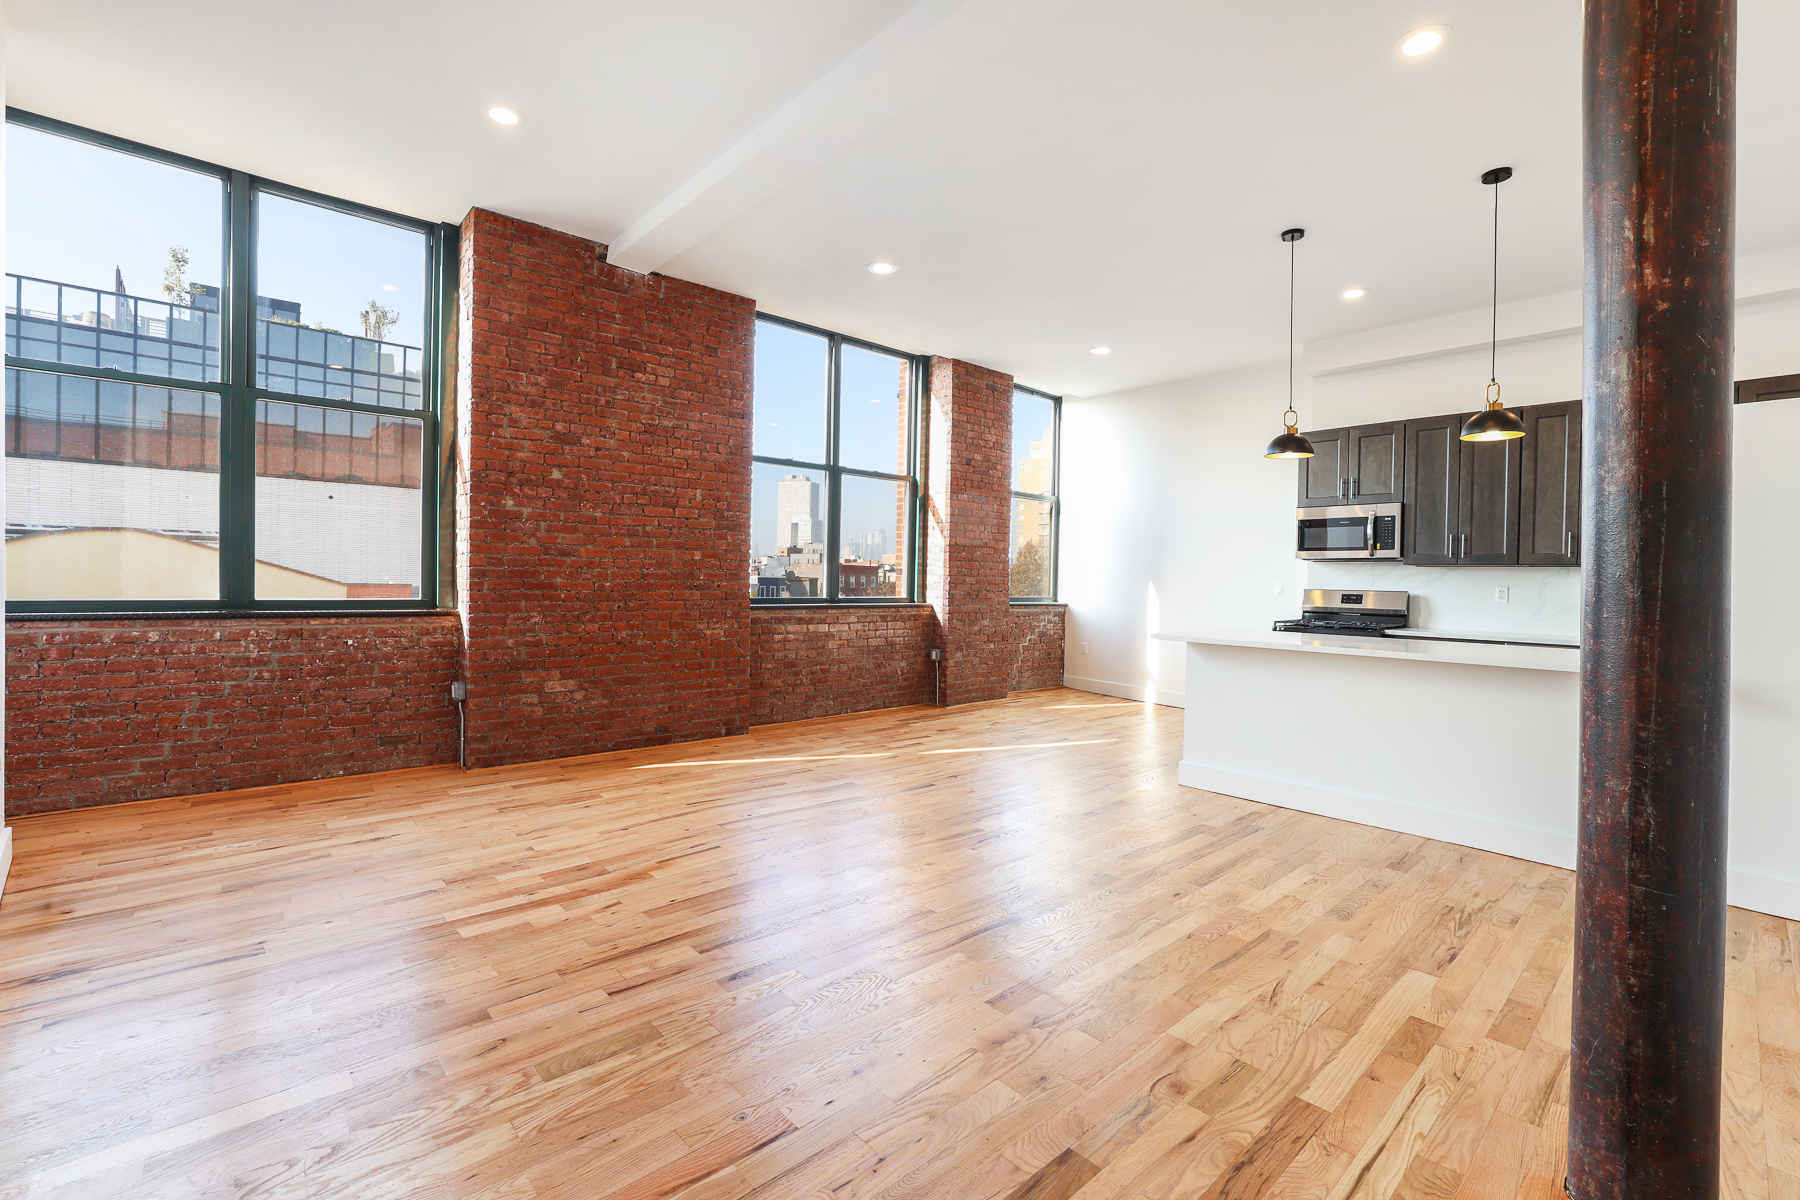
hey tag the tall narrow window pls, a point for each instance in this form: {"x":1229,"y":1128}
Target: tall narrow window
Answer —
{"x":834,"y":482}
{"x":1032,"y":545}
{"x":219,"y":391}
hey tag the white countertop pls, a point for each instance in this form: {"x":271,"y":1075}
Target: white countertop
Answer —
{"x":1475,"y":654}
{"x":1567,"y":641}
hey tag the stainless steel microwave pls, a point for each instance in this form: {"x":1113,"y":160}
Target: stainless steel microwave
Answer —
{"x":1349,"y":531}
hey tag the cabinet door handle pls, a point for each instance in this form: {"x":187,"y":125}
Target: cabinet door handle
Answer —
{"x":1465,"y":546}
{"x":1355,"y":486}
{"x":1343,"y":487}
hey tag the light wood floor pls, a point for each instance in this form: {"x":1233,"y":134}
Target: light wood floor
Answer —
{"x":943,"y":955}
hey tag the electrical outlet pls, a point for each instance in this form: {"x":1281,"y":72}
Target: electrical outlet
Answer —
{"x":1502,"y":595}
{"x":1281,"y":589}
{"x":1084,"y":647}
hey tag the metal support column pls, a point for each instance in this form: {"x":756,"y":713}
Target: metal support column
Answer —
{"x":1650,"y":937}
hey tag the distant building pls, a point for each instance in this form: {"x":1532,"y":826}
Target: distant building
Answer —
{"x":797,"y":520}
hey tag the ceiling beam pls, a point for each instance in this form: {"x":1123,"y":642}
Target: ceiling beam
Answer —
{"x":929,"y":43}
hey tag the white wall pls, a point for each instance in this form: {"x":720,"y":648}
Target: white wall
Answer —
{"x":1172,"y":519}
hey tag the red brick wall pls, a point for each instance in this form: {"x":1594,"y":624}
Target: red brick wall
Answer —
{"x":106,"y":711}
{"x":605,"y":419}
{"x":820,"y":662}
{"x":1037,"y":640}
{"x":969,"y":488}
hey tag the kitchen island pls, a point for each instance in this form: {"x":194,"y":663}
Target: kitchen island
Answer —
{"x":1456,"y":740}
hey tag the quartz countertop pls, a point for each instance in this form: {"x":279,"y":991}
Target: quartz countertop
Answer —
{"x":1475,"y":654}
{"x":1565,"y":640}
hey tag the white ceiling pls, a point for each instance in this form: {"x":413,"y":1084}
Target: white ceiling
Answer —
{"x":1049,"y":174}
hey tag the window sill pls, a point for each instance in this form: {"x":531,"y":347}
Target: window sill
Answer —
{"x":1017,"y":603}
{"x":778,"y":605}
{"x":228,"y":614}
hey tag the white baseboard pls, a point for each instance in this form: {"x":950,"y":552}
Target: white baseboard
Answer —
{"x":5,"y":856}
{"x":1758,"y":891}
{"x":1127,"y":691}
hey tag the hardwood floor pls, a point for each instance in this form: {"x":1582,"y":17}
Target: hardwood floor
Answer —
{"x":985,"y":952}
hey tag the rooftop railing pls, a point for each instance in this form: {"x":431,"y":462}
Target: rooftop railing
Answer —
{"x":63,"y":323}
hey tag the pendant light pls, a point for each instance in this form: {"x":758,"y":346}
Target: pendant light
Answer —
{"x":1290,"y":444}
{"x":1494,"y":423}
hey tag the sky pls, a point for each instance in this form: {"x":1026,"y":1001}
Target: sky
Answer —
{"x":76,"y":212}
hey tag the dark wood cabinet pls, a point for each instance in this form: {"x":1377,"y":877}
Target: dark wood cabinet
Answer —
{"x":1489,"y":505}
{"x":1467,"y":503}
{"x":1550,"y":492}
{"x":1430,"y":527}
{"x":1462,"y":498}
{"x":1325,"y":477}
{"x":1376,"y":463}
{"x":1363,"y":465}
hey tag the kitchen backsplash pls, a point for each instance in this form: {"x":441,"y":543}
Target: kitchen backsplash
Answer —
{"x":1539,"y":599}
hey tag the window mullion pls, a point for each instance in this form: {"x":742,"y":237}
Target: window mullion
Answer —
{"x":834,"y":479}
{"x":237,"y":442}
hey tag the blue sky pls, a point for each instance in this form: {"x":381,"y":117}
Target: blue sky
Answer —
{"x":75,"y":212}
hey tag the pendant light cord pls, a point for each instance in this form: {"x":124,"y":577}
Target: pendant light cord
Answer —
{"x":1290,"y":406}
{"x":1494,"y":335}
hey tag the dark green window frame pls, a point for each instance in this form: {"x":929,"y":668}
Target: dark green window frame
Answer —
{"x":238,"y":393}
{"x":835,"y":474}
{"x":1050,"y":496}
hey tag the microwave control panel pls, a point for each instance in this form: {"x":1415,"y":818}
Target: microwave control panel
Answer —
{"x":1384,"y":533}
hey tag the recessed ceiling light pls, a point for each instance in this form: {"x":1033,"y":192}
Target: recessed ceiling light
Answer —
{"x":502,"y":115}
{"x":1101,"y":350}
{"x":1423,"y":40}
{"x":882,"y":268}
{"x":1355,"y":293}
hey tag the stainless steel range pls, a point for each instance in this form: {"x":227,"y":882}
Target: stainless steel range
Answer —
{"x":1367,"y":613}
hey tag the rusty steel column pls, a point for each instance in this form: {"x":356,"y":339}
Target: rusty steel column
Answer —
{"x":1650,"y":896}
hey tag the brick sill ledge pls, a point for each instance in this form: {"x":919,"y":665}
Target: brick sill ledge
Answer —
{"x":229,"y":614}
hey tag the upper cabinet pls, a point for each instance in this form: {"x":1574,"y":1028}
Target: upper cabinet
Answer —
{"x":1430,"y":526}
{"x":1362,"y":465}
{"x":1467,"y":503}
{"x":1550,"y":498}
{"x":1324,"y":478}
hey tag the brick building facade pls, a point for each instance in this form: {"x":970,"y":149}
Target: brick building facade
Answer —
{"x":603,"y":512}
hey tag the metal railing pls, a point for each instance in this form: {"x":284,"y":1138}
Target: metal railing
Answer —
{"x":60,"y":322}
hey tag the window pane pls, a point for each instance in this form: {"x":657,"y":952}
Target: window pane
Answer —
{"x":790,"y":393}
{"x":1029,"y":557}
{"x":112,"y":490}
{"x":787,"y":532}
{"x":337,"y":504}
{"x":872,"y":538}
{"x":340,"y":305}
{"x":872,"y":410}
{"x":1034,"y":445}
{"x":112,"y":260}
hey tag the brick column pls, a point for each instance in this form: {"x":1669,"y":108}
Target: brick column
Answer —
{"x":968,"y":490}
{"x":605,"y":498}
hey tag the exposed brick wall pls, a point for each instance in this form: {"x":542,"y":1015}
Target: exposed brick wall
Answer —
{"x":820,"y":662}
{"x":969,"y":488}
{"x":1037,"y":638}
{"x":605,"y":419}
{"x":106,"y":711}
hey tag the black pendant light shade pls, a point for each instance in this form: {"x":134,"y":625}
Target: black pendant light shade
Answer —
{"x":1290,"y":444}
{"x":1494,"y":423}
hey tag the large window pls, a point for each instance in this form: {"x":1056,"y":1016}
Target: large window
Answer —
{"x":835,"y":478}
{"x":220,"y":392}
{"x":1031,"y":560}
